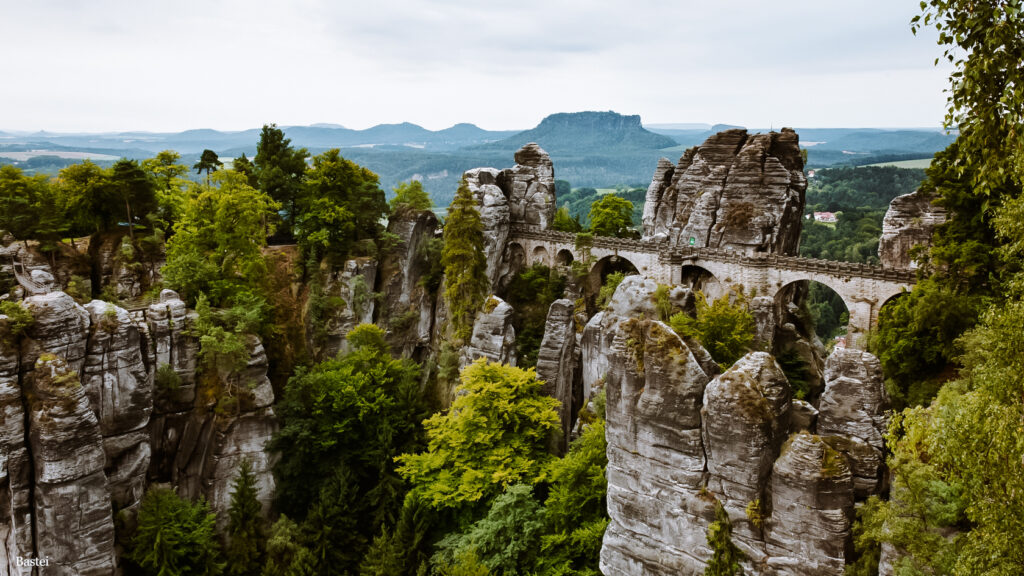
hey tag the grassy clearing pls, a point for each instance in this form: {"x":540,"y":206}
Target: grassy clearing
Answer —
{"x":919,"y":163}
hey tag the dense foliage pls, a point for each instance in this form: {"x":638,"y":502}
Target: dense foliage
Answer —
{"x":612,"y":216}
{"x":956,"y":505}
{"x":725,"y":327}
{"x":465,"y":268}
{"x":175,"y":537}
{"x":531,"y":293}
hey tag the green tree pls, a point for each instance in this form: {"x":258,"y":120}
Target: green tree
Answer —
{"x":217,"y":244}
{"x":564,"y":222}
{"x":332,"y":529}
{"x":507,"y":540}
{"x":246,"y":535}
{"x":357,"y":412}
{"x":576,"y":510}
{"x":243,"y":165}
{"x":31,"y":208}
{"x":175,"y":537}
{"x":168,"y":174}
{"x":495,"y":435}
{"x":465,"y":267}
{"x":286,"y":555}
{"x":725,"y":556}
{"x":410,"y":196}
{"x":726,"y":329}
{"x":280,"y":169}
{"x":612,"y":216}
{"x":342,"y":204}
{"x":135,"y":190}
{"x":88,"y":195}
{"x":208,"y":162}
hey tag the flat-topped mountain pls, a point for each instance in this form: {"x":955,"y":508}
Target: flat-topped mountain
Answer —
{"x":576,"y":132}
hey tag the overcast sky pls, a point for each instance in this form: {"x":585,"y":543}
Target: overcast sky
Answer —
{"x":170,"y":65}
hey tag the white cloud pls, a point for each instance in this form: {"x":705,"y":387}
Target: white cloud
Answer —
{"x":231,"y":64}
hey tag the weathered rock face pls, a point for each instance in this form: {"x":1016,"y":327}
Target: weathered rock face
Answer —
{"x":736,"y":191}
{"x":530,"y":187}
{"x":119,"y":386}
{"x":493,"y":337}
{"x":523,"y":195}
{"x":407,"y":308}
{"x":910,"y":221}
{"x":812,"y":508}
{"x":174,"y":349}
{"x":557,"y":362}
{"x":73,"y":515}
{"x":117,"y":265}
{"x":199,"y":450}
{"x":854,"y":407}
{"x":495,"y":214}
{"x":681,"y":440}
{"x":746,"y":419}
{"x":16,"y":538}
{"x":656,"y":462}
{"x":353,"y":285}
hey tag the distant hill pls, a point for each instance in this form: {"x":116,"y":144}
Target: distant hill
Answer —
{"x":575,"y":133}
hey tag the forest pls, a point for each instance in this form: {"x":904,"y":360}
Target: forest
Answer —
{"x":377,"y":474}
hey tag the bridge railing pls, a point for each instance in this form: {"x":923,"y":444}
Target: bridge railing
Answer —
{"x":677,"y":255}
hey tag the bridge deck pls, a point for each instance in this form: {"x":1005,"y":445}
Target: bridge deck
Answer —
{"x":679,"y":255}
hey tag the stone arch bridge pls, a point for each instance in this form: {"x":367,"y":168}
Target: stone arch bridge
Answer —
{"x":864,"y":288}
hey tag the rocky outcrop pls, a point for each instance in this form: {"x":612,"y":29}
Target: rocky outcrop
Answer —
{"x":74,"y":522}
{"x":523,"y":195}
{"x":16,"y":537}
{"x":854,"y":408}
{"x":406,"y":305}
{"x":735,"y":191}
{"x":350,"y":290}
{"x":682,"y":440}
{"x":811,"y":510}
{"x":530,"y":187}
{"x":175,"y":351}
{"x":119,"y":386}
{"x":557,"y":362}
{"x":656,"y":462}
{"x":493,"y":336}
{"x":118,"y":265}
{"x":495,"y":215}
{"x":910,"y":221}
{"x":746,"y":419}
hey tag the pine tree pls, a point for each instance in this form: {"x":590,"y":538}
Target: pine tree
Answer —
{"x":465,"y":266}
{"x":384,"y":558}
{"x":725,"y":557}
{"x":246,"y":536}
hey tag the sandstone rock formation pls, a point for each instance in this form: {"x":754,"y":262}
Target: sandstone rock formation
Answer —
{"x":73,"y":516}
{"x":351,"y":286}
{"x":493,"y":337}
{"x":812,"y":509}
{"x":557,"y":362}
{"x":735,"y":191}
{"x":682,"y":440}
{"x":854,"y":408}
{"x":910,"y":221}
{"x":523,"y":195}
{"x":407,"y":307}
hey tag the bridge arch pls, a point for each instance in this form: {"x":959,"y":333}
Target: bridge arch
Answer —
{"x":600,"y":271}
{"x":540,"y":256}
{"x":830,"y":313}
{"x":564,"y":257}
{"x":699,"y":278}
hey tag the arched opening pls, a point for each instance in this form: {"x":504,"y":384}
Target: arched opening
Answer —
{"x":598,"y":278}
{"x":564,"y":257}
{"x":515,"y":255}
{"x":810,"y":320}
{"x":698,"y":279}
{"x":540,"y":256}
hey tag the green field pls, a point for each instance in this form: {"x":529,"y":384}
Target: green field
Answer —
{"x":919,"y":163}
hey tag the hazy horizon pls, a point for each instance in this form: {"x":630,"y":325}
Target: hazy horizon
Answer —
{"x":118,"y":66}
